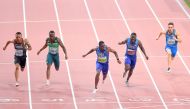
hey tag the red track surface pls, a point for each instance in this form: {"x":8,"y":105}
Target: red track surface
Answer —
{"x":79,"y":36}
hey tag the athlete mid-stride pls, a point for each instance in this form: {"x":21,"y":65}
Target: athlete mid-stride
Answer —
{"x":21,"y":46}
{"x":132,"y":44}
{"x":102,"y":62}
{"x":172,"y":39}
{"x":53,"y":43}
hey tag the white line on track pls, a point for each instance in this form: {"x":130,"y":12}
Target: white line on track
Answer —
{"x":88,"y":59}
{"x":27,"y":62}
{"x":146,"y":66}
{"x":66,"y":61}
{"x":87,"y":20}
{"x":97,"y":39}
{"x":159,"y":22}
{"x":181,"y":6}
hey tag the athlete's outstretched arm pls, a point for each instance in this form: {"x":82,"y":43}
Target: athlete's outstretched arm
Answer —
{"x":115,"y":53}
{"x":92,"y":50}
{"x":63,"y":47}
{"x":29,"y":47}
{"x":142,"y":49}
{"x":121,"y":43}
{"x":8,"y":42}
{"x":45,"y":45}
{"x":161,"y":33}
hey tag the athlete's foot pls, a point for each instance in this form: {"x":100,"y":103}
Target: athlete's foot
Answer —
{"x":94,"y":91}
{"x":16,"y":84}
{"x":168,"y":70}
{"x":127,"y":83}
{"x":124,"y":74}
{"x":47,"y":82}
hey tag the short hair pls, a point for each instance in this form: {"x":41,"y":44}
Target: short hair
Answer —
{"x":101,"y":42}
{"x":133,"y":34}
{"x":18,"y":33}
{"x":171,"y":23}
{"x":50,"y":32}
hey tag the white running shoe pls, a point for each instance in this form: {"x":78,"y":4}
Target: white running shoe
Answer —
{"x":16,"y":84}
{"x":94,"y":91}
{"x":168,"y":70}
{"x":47,"y":82}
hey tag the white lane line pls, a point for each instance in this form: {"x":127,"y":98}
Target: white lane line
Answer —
{"x":97,"y":39}
{"x":27,"y":62}
{"x":87,"y":20}
{"x":87,"y":59}
{"x":159,"y":22}
{"x":146,"y":66}
{"x":181,"y":6}
{"x":66,"y":61}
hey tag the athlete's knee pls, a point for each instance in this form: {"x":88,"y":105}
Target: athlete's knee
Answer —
{"x":127,"y":67}
{"x":97,"y":74}
{"x":48,"y":67}
{"x":17,"y":67}
{"x":104,"y":75}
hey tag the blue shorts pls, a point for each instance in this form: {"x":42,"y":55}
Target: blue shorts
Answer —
{"x":131,"y":61}
{"x":53,"y":58}
{"x":101,"y":67}
{"x":171,"y":50}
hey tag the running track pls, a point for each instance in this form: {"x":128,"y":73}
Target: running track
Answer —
{"x":81,"y":24}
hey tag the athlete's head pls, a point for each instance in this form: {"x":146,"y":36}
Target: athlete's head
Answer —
{"x":133,"y":37}
{"x":18,"y":36}
{"x":170,"y":27}
{"x":51,"y":34}
{"x":101,"y":45}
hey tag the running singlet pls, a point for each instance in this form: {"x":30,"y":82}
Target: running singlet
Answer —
{"x":102,"y":56}
{"x":131,"y":48}
{"x":19,"y":49}
{"x":170,"y":41}
{"x":53,"y":47}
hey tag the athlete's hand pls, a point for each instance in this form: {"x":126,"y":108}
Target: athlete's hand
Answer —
{"x":84,"y":56}
{"x":66,"y":57}
{"x":120,"y":43}
{"x":38,"y":53}
{"x":4,"y":48}
{"x":119,"y":61}
{"x":147,"y":57}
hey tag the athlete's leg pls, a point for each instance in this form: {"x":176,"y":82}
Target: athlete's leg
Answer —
{"x":56,"y":61}
{"x":97,"y":79}
{"x":17,"y":65}
{"x":23,"y":63}
{"x":17,"y":73}
{"x":132,"y":66}
{"x":105,"y":71}
{"x":169,"y":54}
{"x":49,"y":63}
{"x":173,"y":53}
{"x":99,"y":68}
{"x":127,"y":65}
{"x":130,"y":74}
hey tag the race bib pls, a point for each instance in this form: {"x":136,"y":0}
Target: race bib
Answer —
{"x":131,"y":52}
{"x":19,"y":53}
{"x":102,"y":59}
{"x":53,"y":50}
{"x":171,"y":41}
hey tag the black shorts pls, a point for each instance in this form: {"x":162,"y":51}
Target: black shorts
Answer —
{"x":21,"y":61}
